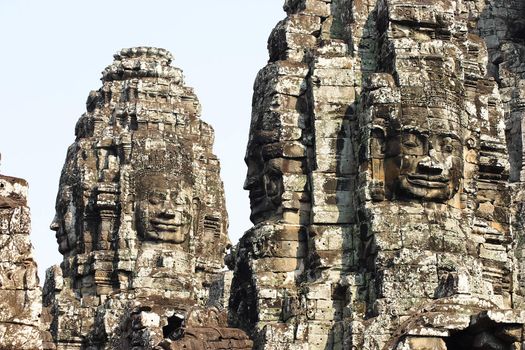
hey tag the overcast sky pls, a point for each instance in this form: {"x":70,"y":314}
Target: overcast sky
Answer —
{"x":52,"y":54}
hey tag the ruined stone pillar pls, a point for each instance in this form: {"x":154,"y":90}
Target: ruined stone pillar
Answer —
{"x":20,"y":293}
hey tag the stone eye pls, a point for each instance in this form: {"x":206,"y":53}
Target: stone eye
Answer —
{"x":410,"y":141}
{"x":156,"y":198}
{"x":178,"y":200}
{"x":447,"y":145}
{"x":154,"y":201}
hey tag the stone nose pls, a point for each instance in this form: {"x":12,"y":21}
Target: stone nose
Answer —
{"x":54,"y":226}
{"x":430,"y":165}
{"x":168,"y":208}
{"x":168,"y":211}
{"x":250,"y":182}
{"x":173,"y":215}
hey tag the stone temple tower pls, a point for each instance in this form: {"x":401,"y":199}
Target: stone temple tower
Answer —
{"x":378,"y":174}
{"x":140,"y":217}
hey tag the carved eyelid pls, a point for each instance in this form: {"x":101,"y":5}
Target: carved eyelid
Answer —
{"x":155,"y":201}
{"x":410,"y":144}
{"x":413,"y":132}
{"x":156,"y":196}
{"x":411,"y":137}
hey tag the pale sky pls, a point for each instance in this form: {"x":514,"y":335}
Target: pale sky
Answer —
{"x":53,"y":52}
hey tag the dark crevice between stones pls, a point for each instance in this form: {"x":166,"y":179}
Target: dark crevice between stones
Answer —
{"x":175,"y":328}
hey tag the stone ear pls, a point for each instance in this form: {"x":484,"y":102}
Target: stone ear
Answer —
{"x":195,"y":218}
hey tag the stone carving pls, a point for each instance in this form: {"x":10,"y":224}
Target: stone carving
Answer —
{"x":64,"y":222}
{"x":20,"y":293}
{"x":385,"y":175}
{"x":301,"y":162}
{"x":424,"y":161}
{"x":140,"y":213}
{"x":378,"y":174}
{"x":164,"y":208}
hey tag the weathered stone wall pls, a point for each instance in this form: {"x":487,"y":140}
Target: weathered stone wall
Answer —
{"x":502,"y":26}
{"x":20,"y":293}
{"x":140,"y":213}
{"x":378,"y":177}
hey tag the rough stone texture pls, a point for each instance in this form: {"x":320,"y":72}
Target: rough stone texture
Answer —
{"x":20,"y":293}
{"x":502,"y":25}
{"x":378,"y":174}
{"x":385,"y":170}
{"x":140,"y":214}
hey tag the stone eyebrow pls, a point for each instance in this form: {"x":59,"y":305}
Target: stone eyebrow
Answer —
{"x":452,"y":136}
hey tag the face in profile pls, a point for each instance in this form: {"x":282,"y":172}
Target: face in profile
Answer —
{"x":163,"y":209}
{"x":425,"y":164}
{"x":64,"y":221}
{"x":265,"y":183}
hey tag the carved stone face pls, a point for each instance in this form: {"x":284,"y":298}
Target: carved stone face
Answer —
{"x":424,"y":163}
{"x":163,"y":209}
{"x":265,"y":183}
{"x":64,"y":222}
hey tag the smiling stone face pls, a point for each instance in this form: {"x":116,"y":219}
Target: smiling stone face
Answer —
{"x":430,"y":166}
{"x":163,"y":209}
{"x":425,"y":161}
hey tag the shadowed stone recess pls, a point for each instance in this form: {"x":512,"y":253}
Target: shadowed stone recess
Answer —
{"x":140,"y":217}
{"x":384,"y":162}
